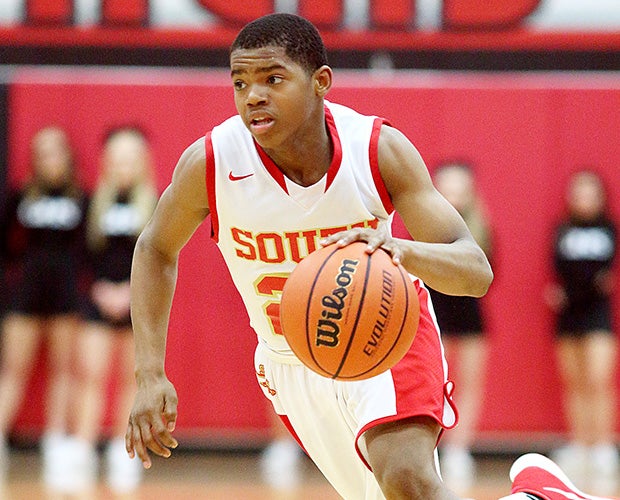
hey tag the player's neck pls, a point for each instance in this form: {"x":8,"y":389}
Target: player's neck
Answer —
{"x":305,"y":161}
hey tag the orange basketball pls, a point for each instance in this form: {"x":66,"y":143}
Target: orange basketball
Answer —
{"x":349,"y":315}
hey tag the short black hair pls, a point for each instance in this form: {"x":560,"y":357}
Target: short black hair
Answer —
{"x":298,"y":37}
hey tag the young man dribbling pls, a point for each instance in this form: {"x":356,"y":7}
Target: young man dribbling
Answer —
{"x":291,"y":172}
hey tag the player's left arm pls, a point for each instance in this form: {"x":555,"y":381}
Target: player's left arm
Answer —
{"x":443,"y":254}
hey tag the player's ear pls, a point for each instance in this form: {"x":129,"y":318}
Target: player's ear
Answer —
{"x":322,"y":80}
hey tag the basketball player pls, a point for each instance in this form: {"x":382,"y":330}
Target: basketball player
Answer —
{"x":45,"y":227}
{"x":291,"y":172}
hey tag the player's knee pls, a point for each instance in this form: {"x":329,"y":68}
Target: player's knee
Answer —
{"x":405,"y":481}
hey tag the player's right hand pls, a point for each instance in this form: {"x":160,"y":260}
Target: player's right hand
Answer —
{"x":152,"y":420}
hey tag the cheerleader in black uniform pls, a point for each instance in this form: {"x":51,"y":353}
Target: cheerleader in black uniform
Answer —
{"x":121,"y":205}
{"x":45,"y":226}
{"x":461,"y":324}
{"x":584,"y":250}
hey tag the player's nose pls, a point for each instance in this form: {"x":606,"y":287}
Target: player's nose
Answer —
{"x":256,"y":95}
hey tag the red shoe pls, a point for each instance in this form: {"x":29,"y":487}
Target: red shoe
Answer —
{"x":541,"y":477}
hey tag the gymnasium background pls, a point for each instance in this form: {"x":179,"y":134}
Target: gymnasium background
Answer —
{"x":526,"y":91}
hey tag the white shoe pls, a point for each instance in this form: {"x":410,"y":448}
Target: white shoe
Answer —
{"x":69,"y":464}
{"x":124,"y":474}
{"x":605,"y":468}
{"x":53,"y":460}
{"x":573,"y":459}
{"x":280,"y":464}
{"x":458,"y":468}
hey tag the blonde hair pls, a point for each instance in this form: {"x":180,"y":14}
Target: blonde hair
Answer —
{"x":142,"y":194}
{"x":37,"y":186}
{"x":473,"y":212}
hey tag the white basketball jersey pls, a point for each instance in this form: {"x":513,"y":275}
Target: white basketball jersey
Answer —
{"x":263,"y":231}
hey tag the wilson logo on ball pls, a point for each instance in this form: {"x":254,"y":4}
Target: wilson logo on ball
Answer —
{"x":328,"y":329}
{"x":348,"y":314}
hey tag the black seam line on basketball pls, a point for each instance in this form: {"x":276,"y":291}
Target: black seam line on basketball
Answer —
{"x":400,"y":331}
{"x":402,"y":323}
{"x":357,"y":318}
{"x":310,"y":296}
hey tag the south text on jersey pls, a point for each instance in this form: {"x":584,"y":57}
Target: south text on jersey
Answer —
{"x":276,"y":247}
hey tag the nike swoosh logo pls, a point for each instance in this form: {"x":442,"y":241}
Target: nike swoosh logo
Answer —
{"x":233,"y":177}
{"x":568,"y":494}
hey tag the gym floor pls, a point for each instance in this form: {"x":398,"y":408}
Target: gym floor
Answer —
{"x":218,"y":475}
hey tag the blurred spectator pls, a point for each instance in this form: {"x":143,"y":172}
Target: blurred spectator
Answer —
{"x":461,"y":323}
{"x":281,"y":460}
{"x":121,"y":205}
{"x":45,"y":232}
{"x":584,"y":249}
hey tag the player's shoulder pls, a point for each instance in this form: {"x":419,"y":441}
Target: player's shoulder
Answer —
{"x":340,"y":111}
{"x":230,"y":136}
{"x":192,"y":163}
{"x":345,"y":115}
{"x":391,"y":138}
{"x":232,"y":125}
{"x":195,"y":152}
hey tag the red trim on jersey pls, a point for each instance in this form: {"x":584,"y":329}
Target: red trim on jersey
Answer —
{"x":419,"y":377}
{"x":210,"y":185}
{"x":271,"y":167}
{"x":373,"y":154}
{"x":337,"y":157}
{"x":334,"y":166}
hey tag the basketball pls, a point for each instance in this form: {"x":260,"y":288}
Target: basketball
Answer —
{"x":347,"y":314}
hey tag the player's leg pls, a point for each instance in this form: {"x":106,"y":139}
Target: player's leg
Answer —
{"x":92,"y":360}
{"x":572,"y":457}
{"x":61,"y":338}
{"x":600,"y":363}
{"x":94,"y":349}
{"x":471,"y":360}
{"x":400,"y":414}
{"x":466,"y":352}
{"x":123,"y":474}
{"x":316,"y":409}
{"x":402,"y":457}
{"x":60,"y":451}
{"x":20,"y":340}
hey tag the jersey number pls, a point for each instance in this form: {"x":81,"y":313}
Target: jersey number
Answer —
{"x":271,"y":285}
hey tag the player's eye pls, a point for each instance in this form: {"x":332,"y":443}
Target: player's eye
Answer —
{"x":274,"y":79}
{"x":239,"y":84}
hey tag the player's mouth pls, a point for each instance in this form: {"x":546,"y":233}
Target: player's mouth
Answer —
{"x":260,"y":124}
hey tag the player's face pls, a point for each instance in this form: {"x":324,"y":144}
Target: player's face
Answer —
{"x":51,"y":156}
{"x":125,"y":158}
{"x":586,"y":197}
{"x":274,"y":95}
{"x":456,"y":185}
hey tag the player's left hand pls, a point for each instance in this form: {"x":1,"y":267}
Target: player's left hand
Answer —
{"x":152,"y":420}
{"x":375,"y":238}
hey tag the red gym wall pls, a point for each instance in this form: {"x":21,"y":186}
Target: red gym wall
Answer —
{"x":523,"y":133}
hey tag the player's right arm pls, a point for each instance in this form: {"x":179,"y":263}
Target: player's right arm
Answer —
{"x":181,"y":209}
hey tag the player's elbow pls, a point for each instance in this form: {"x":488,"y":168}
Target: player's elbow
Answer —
{"x":147,"y":249}
{"x":483,"y":280}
